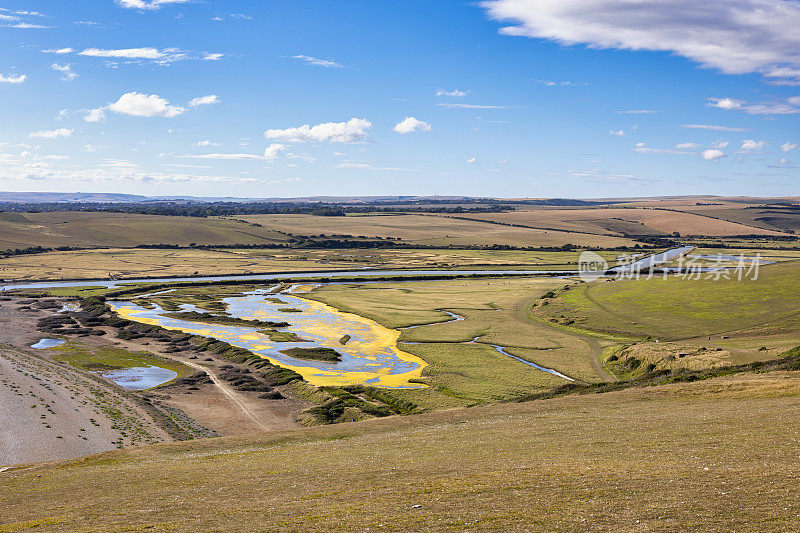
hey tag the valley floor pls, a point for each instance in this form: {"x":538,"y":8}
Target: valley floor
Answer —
{"x":720,"y":455}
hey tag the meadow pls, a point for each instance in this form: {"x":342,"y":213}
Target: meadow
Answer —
{"x":134,"y":263}
{"x":677,"y":457}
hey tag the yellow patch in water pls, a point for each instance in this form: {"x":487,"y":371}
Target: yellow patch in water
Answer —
{"x":373,"y":339}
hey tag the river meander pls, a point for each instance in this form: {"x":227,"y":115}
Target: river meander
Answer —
{"x":370,"y":356}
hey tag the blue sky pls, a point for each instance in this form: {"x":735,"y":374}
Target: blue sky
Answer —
{"x":507,"y":98}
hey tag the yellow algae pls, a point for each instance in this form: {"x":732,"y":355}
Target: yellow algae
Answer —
{"x":326,"y":322}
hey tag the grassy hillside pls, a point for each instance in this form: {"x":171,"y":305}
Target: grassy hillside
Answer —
{"x":21,"y":230}
{"x":616,"y":221}
{"x":431,"y":230}
{"x":681,"y":308}
{"x":676,"y":457}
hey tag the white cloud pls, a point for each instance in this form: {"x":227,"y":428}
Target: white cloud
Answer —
{"x":274,"y":150}
{"x":719,"y":144}
{"x":687,"y":146}
{"x":473,"y":106}
{"x":550,"y":83}
{"x":213,"y":57}
{"x":66,"y":70}
{"x":95,"y":115}
{"x":224,"y":156}
{"x":711,"y":127}
{"x":59,"y":51}
{"x":787,"y":146}
{"x":788,"y":107}
{"x":713,"y":154}
{"x":351,"y":131}
{"x":472,"y":159}
{"x":638,"y":112}
{"x":725,"y":103}
{"x":27,"y":26}
{"x":89,"y":148}
{"x":318,"y":62}
{"x":642,"y":148}
{"x":136,"y":105}
{"x":207,"y":143}
{"x":144,"y":105}
{"x":241,"y":16}
{"x":454,"y":93}
{"x":410,"y":125}
{"x":13,"y":78}
{"x":125,"y":53}
{"x":750,"y":145}
{"x":204,"y":100}
{"x":734,"y":36}
{"x":148,"y":5}
{"x":51,"y":134}
{"x":618,"y":133}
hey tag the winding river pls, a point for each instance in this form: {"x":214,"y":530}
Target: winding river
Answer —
{"x":369,"y":356}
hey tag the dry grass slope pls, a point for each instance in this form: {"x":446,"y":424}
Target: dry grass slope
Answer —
{"x":670,"y":458}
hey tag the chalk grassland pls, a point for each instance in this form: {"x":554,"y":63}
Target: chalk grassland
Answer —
{"x":53,"y":229}
{"x":613,"y":221}
{"x":680,"y":457}
{"x":496,"y":312}
{"x":431,"y":230}
{"x":677,"y":308}
{"x":132,"y":263}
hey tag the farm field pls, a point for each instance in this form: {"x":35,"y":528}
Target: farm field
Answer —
{"x":620,"y":221}
{"x":676,"y":457}
{"x":104,"y":229}
{"x":132,"y":263}
{"x":677,"y":308}
{"x":432,"y":230}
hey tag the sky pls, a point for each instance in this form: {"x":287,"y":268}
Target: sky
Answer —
{"x":500,"y":98}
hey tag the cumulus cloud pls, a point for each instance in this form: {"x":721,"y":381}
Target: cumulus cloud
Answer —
{"x":472,"y":160}
{"x":734,"y":36}
{"x":410,"y":125}
{"x":712,"y":154}
{"x":720,"y":144}
{"x":327,"y":63}
{"x":66,"y":70}
{"x":454,"y":93}
{"x":51,"y":134}
{"x":13,"y":78}
{"x":136,"y":105}
{"x":790,"y":106}
{"x":787,"y":146}
{"x":207,"y":143}
{"x":750,"y":145}
{"x":618,"y":133}
{"x":144,"y":105}
{"x":274,"y":150}
{"x":204,"y":100}
{"x":353,"y":130}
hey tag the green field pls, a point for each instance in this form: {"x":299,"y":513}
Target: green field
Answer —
{"x":677,"y":308}
{"x":715,"y":455}
{"x":496,"y":312}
